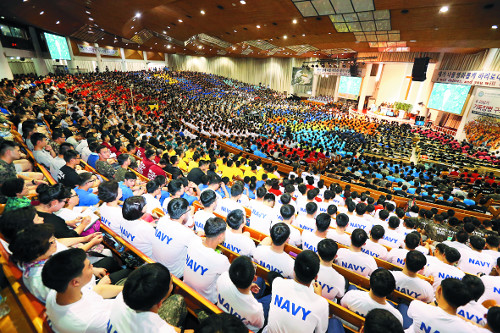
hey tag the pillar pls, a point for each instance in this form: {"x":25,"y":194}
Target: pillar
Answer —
{"x":70,"y":63}
{"x":363,"y":90}
{"x":5,"y":71}
{"x":123,"y":62}
{"x":99,"y":59}
{"x":40,"y":65}
{"x":336,"y":95}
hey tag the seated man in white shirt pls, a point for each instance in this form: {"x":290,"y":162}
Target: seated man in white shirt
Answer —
{"x":133,"y":229}
{"x":70,"y":307}
{"x":287,"y":213}
{"x":474,"y":261}
{"x":382,"y":284}
{"x":145,"y":298}
{"x":492,"y":285}
{"x":392,"y":237}
{"x":372,"y":246}
{"x":409,"y":283}
{"x":308,"y":221}
{"x":445,"y":267}
{"x":397,"y":256}
{"x":263,"y":214}
{"x":203,"y":264}
{"x":355,"y":260}
{"x":339,"y":235}
{"x":333,"y":284}
{"x":270,"y":253}
{"x":450,"y":295}
{"x":152,"y":196}
{"x":381,"y":321}
{"x":236,"y":240}
{"x":172,"y":237}
{"x":474,"y":311}
{"x":229,"y":204}
{"x":310,"y":239}
{"x":460,"y":243}
{"x":311,"y":313}
{"x":235,"y":289}
{"x":111,"y":213}
{"x":360,"y":219}
{"x":208,"y":199}
{"x":42,"y":151}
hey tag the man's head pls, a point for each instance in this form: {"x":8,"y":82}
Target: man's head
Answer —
{"x":215,"y":228}
{"x":280,"y":232}
{"x":86,"y":180}
{"x":415,"y":261}
{"x":381,"y":321}
{"x":103,"y":152}
{"x":38,"y":140}
{"x":109,"y":191}
{"x":129,"y":179}
{"x":382,"y":282}
{"x":208,"y":198}
{"x":133,"y":208}
{"x":176,"y":188}
{"x":72,"y":158}
{"x":67,"y":269}
{"x":323,"y":222}
{"x":377,"y":232}
{"x":475,"y":286}
{"x":147,"y":287}
{"x":342,"y":220}
{"x":178,"y":210}
{"x":287,"y":212}
{"x":235,"y":219}
{"x":327,"y":249}
{"x":10,"y":150}
{"x":242,"y":272}
{"x":306,"y":266}
{"x":358,"y":237}
{"x":454,"y":292}
{"x":123,"y":160}
{"x":153,"y":187}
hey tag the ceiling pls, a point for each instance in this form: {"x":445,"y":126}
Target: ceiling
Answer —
{"x":263,"y":28}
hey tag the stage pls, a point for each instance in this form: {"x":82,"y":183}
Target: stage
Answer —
{"x":373,"y":116}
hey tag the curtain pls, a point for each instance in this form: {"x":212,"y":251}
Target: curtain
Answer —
{"x":326,"y":85}
{"x":450,"y":120}
{"x":22,"y":67}
{"x":273,"y":72}
{"x":112,"y":65}
{"x":397,"y":56}
{"x":134,"y":66}
{"x":495,"y":64}
{"x":85,"y":66}
{"x":463,"y":62}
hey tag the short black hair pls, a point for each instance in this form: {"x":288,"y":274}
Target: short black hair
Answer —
{"x":412,"y":240}
{"x":31,"y":242}
{"x":130,"y":175}
{"x":475,"y":286}
{"x":358,"y":237}
{"x":235,"y":219}
{"x":394,"y":222}
{"x":222,"y":323}
{"x":84,"y":178}
{"x":311,"y":208}
{"x":287,"y":211}
{"x":323,"y":222}
{"x":382,"y":282}
{"x":108,"y":191}
{"x":242,"y":272}
{"x":382,"y":321}
{"x":12,"y":186}
{"x":214,"y":227}
{"x":146,"y":286}
{"x":327,"y":249}
{"x":70,"y":154}
{"x":493,"y":318}
{"x":236,"y":189}
{"x":132,"y":208}
{"x":415,"y":261}
{"x":377,"y":232}
{"x":175,"y":186}
{"x":177,"y":207}
{"x":122,"y":158}
{"x":455,"y":292}
{"x":477,"y":242}
{"x":383,"y":214}
{"x":306,"y":266}
{"x":342,"y":220}
{"x":280,"y":233}
{"x":63,"y":267}
{"x":208,"y":197}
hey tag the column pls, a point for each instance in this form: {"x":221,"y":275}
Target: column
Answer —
{"x":144,"y":54}
{"x":40,"y":66}
{"x":5,"y":71}
{"x":314,"y":85}
{"x":70,"y":63}
{"x":336,"y":95}
{"x":363,"y":90}
{"x":123,"y":62}
{"x":166,"y":59}
{"x":99,"y":59}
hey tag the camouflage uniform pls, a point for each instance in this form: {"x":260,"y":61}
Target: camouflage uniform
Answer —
{"x":105,"y":169}
{"x":173,"y":310}
{"x":438,"y":232}
{"x":7,"y":171}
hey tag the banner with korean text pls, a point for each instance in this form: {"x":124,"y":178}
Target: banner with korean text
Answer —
{"x":473,"y":78}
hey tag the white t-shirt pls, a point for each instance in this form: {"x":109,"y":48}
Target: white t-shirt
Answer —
{"x":310,"y":240}
{"x":304,"y":222}
{"x":441,"y":271}
{"x":475,"y":262}
{"x":277,"y":262}
{"x":332,"y":283}
{"x":170,"y":244}
{"x":392,"y":238}
{"x":244,"y":306}
{"x":239,"y":243}
{"x":226,"y":205}
{"x":397,"y":256}
{"x":493,"y":254}
{"x":462,"y":248}
{"x":125,"y":320}
{"x":151,"y":203}
{"x":374,"y":249}
{"x":89,"y":314}
{"x":200,"y":218}
{"x":55,"y":165}
{"x":262,"y":217}
{"x":139,"y":233}
{"x":414,"y":286}
{"x":429,"y":318}
{"x":358,"y":262}
{"x":295,"y":308}
{"x":360,"y":302}
{"x":203,"y":267}
{"x":491,"y":288}
{"x":359,"y":222}
{"x":343,"y":239}
{"x":111,"y":217}
{"x":474,"y":312}
{"x":295,"y":236}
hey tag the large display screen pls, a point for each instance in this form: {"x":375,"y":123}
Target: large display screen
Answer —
{"x":349,"y":86}
{"x":448,"y":97}
{"x":58,"y":47}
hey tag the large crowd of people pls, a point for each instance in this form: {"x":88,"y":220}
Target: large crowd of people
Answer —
{"x":148,"y":163}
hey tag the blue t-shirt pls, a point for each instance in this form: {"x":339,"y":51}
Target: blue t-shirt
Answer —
{"x":92,"y":159}
{"x":87,"y":198}
{"x":126,"y":191}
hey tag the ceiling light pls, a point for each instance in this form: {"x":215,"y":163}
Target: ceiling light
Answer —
{"x":413,"y":40}
{"x":41,"y":13}
{"x":235,"y":31}
{"x":164,"y":32}
{"x":90,"y":18}
{"x":303,"y":35}
{"x":258,"y":27}
{"x":179,"y":20}
{"x":294,"y":21}
{"x":200,"y":47}
{"x":87,"y":12}
{"x":285,"y":37}
{"x":169,"y":46}
{"x":494,"y":27}
{"x":243,"y":2}
{"x":138,"y":15}
{"x":444,"y":9}
{"x":202,"y":12}
{"x":132,"y":27}
{"x":58,"y":22}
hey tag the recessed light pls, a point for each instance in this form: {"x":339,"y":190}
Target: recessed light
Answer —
{"x":87,"y":12}
{"x":494,"y":27}
{"x":444,"y":9}
{"x":132,"y":27}
{"x":243,"y":2}
{"x":413,"y":40}
{"x":294,"y":21}
{"x":90,"y":18}
{"x":258,"y":27}
{"x":164,"y":32}
{"x":138,"y":15}
{"x":202,"y":12}
{"x":58,"y":22}
{"x":169,"y":46}
{"x":235,"y":31}
{"x":41,"y":13}
{"x":329,"y":33}
{"x":303,"y":35}
{"x":180,"y":21}
{"x":285,"y":37}
{"x":200,"y":47}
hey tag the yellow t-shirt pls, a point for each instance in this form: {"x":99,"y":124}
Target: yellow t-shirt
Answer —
{"x":182,"y":165}
{"x":192,"y":165}
{"x":249,"y":173}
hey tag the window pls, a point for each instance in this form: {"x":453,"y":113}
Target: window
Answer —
{"x":13,"y":32}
